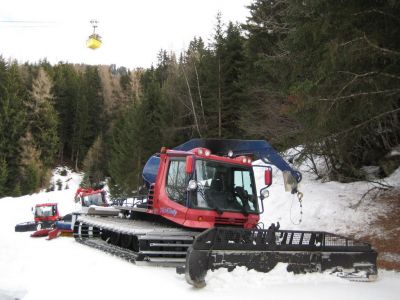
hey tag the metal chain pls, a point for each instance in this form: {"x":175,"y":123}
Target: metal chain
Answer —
{"x":300,"y":199}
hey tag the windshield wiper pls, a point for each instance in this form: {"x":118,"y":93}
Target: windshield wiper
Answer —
{"x":239,"y":192}
{"x":217,"y":209}
{"x":244,"y":211}
{"x":212,"y":205}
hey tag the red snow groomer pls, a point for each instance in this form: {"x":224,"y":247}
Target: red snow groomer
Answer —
{"x":45,"y":215}
{"x":94,"y":202}
{"x":90,"y":196}
{"x":49,"y":222}
{"x":202,"y":213}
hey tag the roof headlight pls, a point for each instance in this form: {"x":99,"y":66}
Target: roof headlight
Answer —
{"x":192,"y":186}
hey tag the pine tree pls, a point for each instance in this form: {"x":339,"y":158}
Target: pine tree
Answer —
{"x":268,"y":75}
{"x":81,"y":131}
{"x":94,"y":164}
{"x":232,"y":66}
{"x":136,"y":136}
{"x":346,"y":69}
{"x":12,"y":122}
{"x":43,"y":118}
{"x":3,"y":176}
{"x":67,"y":93}
{"x":92,"y":88}
{"x":124,"y":157}
{"x":31,"y":169}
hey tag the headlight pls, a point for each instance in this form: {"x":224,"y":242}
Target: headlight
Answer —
{"x":192,"y":185}
{"x":264,"y":193}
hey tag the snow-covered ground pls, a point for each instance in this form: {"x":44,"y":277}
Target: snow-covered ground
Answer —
{"x":63,"y":269}
{"x":328,"y":206}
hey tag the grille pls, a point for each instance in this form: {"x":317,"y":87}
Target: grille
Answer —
{"x":231,"y":221}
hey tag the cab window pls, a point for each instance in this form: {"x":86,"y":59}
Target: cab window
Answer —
{"x":242,"y":180}
{"x":176,"y":181}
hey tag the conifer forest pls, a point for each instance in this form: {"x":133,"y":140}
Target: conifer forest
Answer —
{"x":321,"y":74}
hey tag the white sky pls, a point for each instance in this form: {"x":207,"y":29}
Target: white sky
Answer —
{"x":133,"y":31}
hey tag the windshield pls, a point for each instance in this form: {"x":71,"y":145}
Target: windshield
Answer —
{"x":94,"y":199}
{"x":225,"y":187}
{"x":45,"y":211}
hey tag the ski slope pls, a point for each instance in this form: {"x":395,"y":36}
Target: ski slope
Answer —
{"x":63,"y":269}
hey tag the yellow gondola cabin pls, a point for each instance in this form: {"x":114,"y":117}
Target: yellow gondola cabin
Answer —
{"x":93,"y":42}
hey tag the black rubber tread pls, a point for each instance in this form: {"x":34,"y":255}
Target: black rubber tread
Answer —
{"x":25,"y":226}
{"x":109,"y":248}
{"x":128,"y":244}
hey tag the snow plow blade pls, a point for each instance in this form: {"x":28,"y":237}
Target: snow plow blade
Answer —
{"x":261,"y":250}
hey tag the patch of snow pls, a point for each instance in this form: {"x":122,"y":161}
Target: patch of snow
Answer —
{"x":64,"y":269}
{"x":389,"y":256}
{"x":394,"y":152}
{"x":327,"y":206}
{"x":371,"y":172}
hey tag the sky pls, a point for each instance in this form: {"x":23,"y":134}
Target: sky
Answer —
{"x":132,"y":31}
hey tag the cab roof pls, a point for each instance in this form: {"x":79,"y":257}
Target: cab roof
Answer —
{"x":46,"y":204}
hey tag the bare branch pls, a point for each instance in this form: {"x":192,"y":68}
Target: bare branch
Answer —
{"x":180,"y":99}
{"x":371,"y":73}
{"x":351,"y":42}
{"x":356,"y":76}
{"x":374,"y":192}
{"x":374,"y":10}
{"x":384,"y":50}
{"x":191,"y":101}
{"x":367,"y":122}
{"x":371,"y":44}
{"x":392,"y":91}
{"x":390,"y":75}
{"x":282,"y":53}
{"x":200,"y":98}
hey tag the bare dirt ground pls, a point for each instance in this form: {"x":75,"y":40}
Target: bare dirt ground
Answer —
{"x":387,"y":244}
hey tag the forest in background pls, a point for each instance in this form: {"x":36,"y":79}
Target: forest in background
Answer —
{"x":321,"y":74}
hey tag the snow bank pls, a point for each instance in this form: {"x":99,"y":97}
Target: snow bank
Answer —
{"x":328,"y":206}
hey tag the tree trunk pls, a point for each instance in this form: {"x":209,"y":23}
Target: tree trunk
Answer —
{"x":192,"y":103}
{"x":219,"y":100}
{"x":201,"y":99}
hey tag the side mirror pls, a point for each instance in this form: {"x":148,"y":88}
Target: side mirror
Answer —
{"x":189,"y":164}
{"x":264,"y":193}
{"x":268,"y":176}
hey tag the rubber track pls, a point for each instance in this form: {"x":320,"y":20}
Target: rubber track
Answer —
{"x":87,"y":231}
{"x":109,"y":248}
